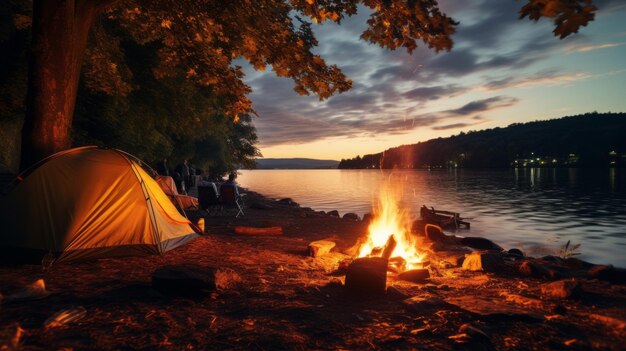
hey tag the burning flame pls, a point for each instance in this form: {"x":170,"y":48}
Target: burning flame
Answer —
{"x":389,"y":220}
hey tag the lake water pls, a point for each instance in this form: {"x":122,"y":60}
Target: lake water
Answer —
{"x":536,"y":210}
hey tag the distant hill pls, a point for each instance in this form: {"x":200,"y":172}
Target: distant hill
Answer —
{"x":295,"y":163}
{"x":589,"y":140}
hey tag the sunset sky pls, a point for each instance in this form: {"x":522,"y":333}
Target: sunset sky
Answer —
{"x":501,"y":71}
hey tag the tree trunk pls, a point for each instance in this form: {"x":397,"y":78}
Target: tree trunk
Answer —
{"x":60,"y":30}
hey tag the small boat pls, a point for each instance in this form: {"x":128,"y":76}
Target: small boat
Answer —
{"x":444,"y":219}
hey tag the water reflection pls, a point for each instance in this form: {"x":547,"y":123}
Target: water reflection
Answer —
{"x":536,"y":210}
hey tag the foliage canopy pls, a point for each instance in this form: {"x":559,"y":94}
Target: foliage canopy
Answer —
{"x":200,"y":39}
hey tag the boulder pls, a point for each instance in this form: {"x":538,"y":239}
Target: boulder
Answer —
{"x":320,"y":247}
{"x":434,"y":233}
{"x":415,"y":275}
{"x":608,"y":273}
{"x":351,"y":216}
{"x":418,"y":226}
{"x":531,"y":269}
{"x":333,"y":213}
{"x":516,"y":252}
{"x":367,"y":276}
{"x":483,"y":261}
{"x":480,"y":244}
{"x":562,"y":289}
{"x":183,"y":280}
{"x":419,"y":304}
{"x":577,"y":264}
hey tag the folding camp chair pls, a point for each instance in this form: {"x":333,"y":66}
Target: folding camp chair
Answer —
{"x":209,"y":198}
{"x":230,"y":199}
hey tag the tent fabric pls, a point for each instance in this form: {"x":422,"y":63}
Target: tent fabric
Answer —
{"x":88,"y":203}
{"x":169,"y":188}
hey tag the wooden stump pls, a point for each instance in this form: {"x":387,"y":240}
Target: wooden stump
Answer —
{"x":367,"y":276}
{"x":415,"y":275}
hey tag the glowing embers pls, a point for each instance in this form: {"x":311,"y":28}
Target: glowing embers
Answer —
{"x":389,"y":233}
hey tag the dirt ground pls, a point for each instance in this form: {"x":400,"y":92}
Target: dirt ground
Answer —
{"x":272,"y":296}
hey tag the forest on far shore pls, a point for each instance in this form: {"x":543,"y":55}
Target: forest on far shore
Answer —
{"x":589,"y":140}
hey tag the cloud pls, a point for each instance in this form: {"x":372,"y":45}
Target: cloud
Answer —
{"x":453,"y":126}
{"x":396,"y":93}
{"x":484,"y":105}
{"x":279,"y":127}
{"x":433,"y":92}
{"x":549,"y":78}
{"x":587,"y":48}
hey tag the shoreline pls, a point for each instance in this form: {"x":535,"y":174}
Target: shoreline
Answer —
{"x":272,"y":295}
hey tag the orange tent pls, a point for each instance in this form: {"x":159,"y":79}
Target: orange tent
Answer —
{"x":169,"y":188}
{"x":85,"y":203}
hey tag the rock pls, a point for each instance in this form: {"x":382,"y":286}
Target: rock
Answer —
{"x":302,"y":214}
{"x":419,"y":304}
{"x":516,"y":252}
{"x":521,"y":300}
{"x":394,"y":294}
{"x":452,"y":258}
{"x":530,"y":269}
{"x":367,"y":217}
{"x":34,"y":291}
{"x":438,"y":246}
{"x":552,"y":259}
{"x":489,"y":306}
{"x":539,"y":269}
{"x":576,"y":264}
{"x":226,"y":278}
{"x":333,"y":213}
{"x":562,"y":289}
{"x":434,"y":233}
{"x":483,"y":261}
{"x":183,"y":280}
{"x":367,"y":276}
{"x":415,"y":275}
{"x":320,"y":247}
{"x":418,"y":226}
{"x":351,"y":216}
{"x":480,"y":244}
{"x":608,"y":273}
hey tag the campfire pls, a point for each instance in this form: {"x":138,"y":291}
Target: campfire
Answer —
{"x":388,"y":248}
{"x":389,"y":234}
